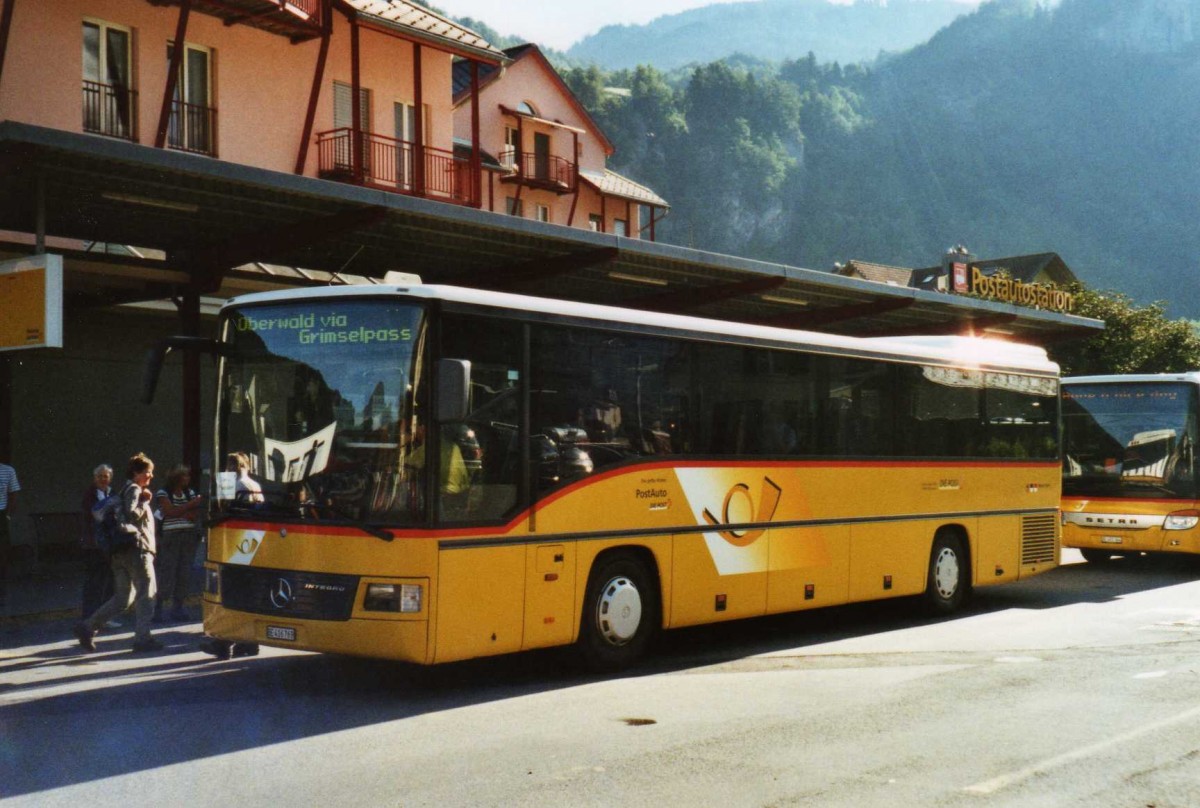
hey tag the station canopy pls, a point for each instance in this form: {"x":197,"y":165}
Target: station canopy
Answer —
{"x":219,"y":228}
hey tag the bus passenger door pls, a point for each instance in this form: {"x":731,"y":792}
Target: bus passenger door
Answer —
{"x":549,"y":595}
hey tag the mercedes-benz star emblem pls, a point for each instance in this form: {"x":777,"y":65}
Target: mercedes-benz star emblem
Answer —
{"x":281,"y":594}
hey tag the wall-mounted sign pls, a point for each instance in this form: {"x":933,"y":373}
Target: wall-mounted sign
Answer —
{"x":1007,"y":290}
{"x":960,"y":277}
{"x":31,"y":300}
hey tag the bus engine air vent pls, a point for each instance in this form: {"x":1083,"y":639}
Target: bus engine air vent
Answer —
{"x":1039,"y":541}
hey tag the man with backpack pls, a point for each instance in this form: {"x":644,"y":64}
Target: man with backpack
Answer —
{"x":127,"y":528}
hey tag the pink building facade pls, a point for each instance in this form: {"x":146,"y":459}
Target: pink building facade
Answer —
{"x":263,"y":83}
{"x":545,"y":157}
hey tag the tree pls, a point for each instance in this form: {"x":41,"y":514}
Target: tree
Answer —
{"x":588,"y":85}
{"x":1136,"y":339}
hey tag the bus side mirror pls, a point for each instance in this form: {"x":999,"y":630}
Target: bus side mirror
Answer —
{"x":453,"y":388}
{"x":156,"y":355}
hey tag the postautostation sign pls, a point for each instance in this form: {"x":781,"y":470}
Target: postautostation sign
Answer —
{"x":1008,"y":290}
{"x":31,"y":302}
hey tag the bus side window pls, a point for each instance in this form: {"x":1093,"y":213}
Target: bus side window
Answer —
{"x":487,"y":440}
{"x":937,"y":419}
{"x":603,"y":398}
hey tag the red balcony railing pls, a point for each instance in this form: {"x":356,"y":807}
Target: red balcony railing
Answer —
{"x":109,"y":110}
{"x":389,"y":164}
{"x":192,"y":128}
{"x":541,"y":170}
{"x":299,"y":20}
{"x":309,"y":9}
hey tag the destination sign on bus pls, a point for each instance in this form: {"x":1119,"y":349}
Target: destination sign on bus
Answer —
{"x":326,"y":328}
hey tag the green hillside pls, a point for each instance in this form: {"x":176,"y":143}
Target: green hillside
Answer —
{"x":1019,"y":128}
{"x":769,"y":29}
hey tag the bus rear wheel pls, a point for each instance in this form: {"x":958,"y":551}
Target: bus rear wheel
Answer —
{"x":949,"y":579}
{"x":620,"y":613}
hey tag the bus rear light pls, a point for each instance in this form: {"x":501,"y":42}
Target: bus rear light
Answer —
{"x":1182,"y":520}
{"x":404,"y":598}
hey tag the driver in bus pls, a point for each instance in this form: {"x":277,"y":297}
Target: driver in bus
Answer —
{"x":311,"y":406}
{"x":455,"y":480}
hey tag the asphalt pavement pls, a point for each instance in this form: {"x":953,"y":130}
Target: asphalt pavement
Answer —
{"x":41,"y":591}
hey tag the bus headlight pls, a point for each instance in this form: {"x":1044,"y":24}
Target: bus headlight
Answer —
{"x":212,"y":581}
{"x":404,"y":598}
{"x":1181,"y":520}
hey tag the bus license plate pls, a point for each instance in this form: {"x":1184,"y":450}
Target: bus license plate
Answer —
{"x":1110,"y":539}
{"x":281,"y":633}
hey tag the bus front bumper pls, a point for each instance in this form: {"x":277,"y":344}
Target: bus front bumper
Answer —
{"x":1150,"y":540}
{"x":401,"y":640}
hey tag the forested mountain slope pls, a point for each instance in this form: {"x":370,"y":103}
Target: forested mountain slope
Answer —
{"x":1021,"y":127}
{"x":769,"y":29}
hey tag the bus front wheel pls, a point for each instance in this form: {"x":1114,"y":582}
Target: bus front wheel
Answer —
{"x":620,"y":613}
{"x":949,"y":575}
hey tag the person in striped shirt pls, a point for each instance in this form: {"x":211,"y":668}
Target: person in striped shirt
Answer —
{"x":181,"y":509}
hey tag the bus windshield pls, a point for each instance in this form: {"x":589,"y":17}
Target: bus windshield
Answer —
{"x":1129,"y":439}
{"x":318,"y":415}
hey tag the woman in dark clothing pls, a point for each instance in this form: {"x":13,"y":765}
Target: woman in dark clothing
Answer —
{"x":97,"y":572}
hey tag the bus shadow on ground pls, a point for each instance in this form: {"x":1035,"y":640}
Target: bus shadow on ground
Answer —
{"x":1088,"y":582}
{"x":106,"y":720}
{"x":1066,"y":585}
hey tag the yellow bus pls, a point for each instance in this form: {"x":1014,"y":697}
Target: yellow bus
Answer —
{"x":428,"y":473}
{"x":1129,"y":464}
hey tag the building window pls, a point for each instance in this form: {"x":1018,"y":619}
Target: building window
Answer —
{"x":526,"y":108}
{"x":343,"y":113}
{"x":343,"y":124}
{"x":109,"y":102}
{"x":514,"y":206}
{"x":543,"y":213}
{"x":405,"y":116}
{"x":512,"y":146}
{"x":406,"y":122}
{"x":620,"y":227}
{"x":193,"y":124}
{"x":595,"y":223}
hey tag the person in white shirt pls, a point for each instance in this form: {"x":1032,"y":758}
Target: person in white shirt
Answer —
{"x":8,"y":487}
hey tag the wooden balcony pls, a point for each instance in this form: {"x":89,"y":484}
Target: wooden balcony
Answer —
{"x":390,"y":165}
{"x":539,"y":170}
{"x":192,"y":128}
{"x":297,"y":20}
{"x":109,"y":110}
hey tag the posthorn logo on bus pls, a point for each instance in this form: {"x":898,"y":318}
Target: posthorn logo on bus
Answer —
{"x":738,"y":500}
